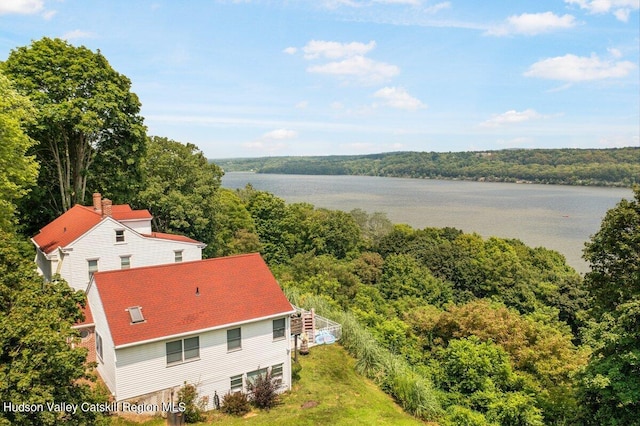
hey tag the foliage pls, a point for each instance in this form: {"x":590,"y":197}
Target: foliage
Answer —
{"x":236,"y":404}
{"x":87,"y":126}
{"x":235,"y":230}
{"x":619,"y":167}
{"x":37,"y":364}
{"x":188,"y":395}
{"x":180,"y":190}
{"x":18,"y":171}
{"x":610,"y":385}
{"x":614,"y":256}
{"x":263,"y":391}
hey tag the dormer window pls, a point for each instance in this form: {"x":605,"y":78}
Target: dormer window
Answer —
{"x":119,"y":235}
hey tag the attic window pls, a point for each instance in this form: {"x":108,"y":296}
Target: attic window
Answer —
{"x":119,"y":235}
{"x":136,"y":314}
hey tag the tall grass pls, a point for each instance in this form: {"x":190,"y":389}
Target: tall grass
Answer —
{"x":390,"y":372}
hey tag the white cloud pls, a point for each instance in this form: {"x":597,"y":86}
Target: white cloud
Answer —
{"x":21,"y":6}
{"x":290,"y":50}
{"x":409,"y":2}
{"x":272,"y":141}
{"x":359,"y":67}
{"x":579,"y":68}
{"x":397,"y":97}
{"x":511,"y":117}
{"x":76,"y":34}
{"x":438,"y":7}
{"x":280,"y":134}
{"x":335,"y":50}
{"x":265,"y":146}
{"x":533,"y":23}
{"x":619,"y":8}
{"x":302,"y":104}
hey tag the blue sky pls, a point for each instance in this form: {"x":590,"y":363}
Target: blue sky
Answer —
{"x":251,"y":78}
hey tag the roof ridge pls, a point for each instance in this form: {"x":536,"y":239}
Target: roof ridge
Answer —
{"x":165,"y":265}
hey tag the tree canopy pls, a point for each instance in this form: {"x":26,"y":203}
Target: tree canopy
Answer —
{"x":18,"y":171}
{"x":37,"y":363}
{"x":89,"y":133}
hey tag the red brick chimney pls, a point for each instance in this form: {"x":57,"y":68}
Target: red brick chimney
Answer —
{"x":106,"y":207}
{"x":97,"y":202}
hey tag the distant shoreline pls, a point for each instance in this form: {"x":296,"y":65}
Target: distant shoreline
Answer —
{"x":616,"y":167}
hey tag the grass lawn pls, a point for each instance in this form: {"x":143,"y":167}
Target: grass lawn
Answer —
{"x":331,"y":392}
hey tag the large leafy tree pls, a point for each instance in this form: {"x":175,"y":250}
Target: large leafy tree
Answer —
{"x":180,"y":190}
{"x":18,"y":171}
{"x":89,"y":133}
{"x":37,"y":363}
{"x":611,"y":382}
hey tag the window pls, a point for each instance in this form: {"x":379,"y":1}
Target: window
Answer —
{"x":236,"y":383}
{"x":178,"y":255}
{"x":119,"y":235}
{"x":125,"y":262}
{"x":234,"y":339}
{"x":99,"y":345}
{"x":93,"y":267}
{"x":183,"y":350}
{"x":276,"y":370}
{"x":278,"y":328}
{"x":253,"y":375}
{"x":136,"y":314}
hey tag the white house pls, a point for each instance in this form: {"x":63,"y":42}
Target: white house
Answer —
{"x":214,"y":323}
{"x":105,"y":237}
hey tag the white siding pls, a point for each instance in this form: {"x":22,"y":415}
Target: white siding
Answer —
{"x":106,"y":364}
{"x":43,"y":264}
{"x":143,"y":369}
{"x":142,"y":226}
{"x":100,"y":243}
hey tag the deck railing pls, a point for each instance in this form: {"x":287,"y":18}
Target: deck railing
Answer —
{"x":319,"y":329}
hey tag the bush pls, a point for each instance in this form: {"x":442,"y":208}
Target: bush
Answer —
{"x":236,"y":404}
{"x":264,"y":391}
{"x":188,"y":395}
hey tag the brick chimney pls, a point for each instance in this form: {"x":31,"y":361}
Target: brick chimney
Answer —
{"x":97,"y":202}
{"x":106,"y":207}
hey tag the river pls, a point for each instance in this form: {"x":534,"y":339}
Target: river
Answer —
{"x":558,"y":217}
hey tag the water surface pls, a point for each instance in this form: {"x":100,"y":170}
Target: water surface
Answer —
{"x":558,"y":217}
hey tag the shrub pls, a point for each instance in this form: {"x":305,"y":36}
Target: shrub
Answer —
{"x":188,"y":395}
{"x":236,"y":404}
{"x":264,"y":391}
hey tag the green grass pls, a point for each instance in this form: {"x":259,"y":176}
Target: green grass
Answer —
{"x":336,"y":394}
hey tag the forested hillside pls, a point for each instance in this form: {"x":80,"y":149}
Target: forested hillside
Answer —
{"x":458,"y":329}
{"x":607,"y":167}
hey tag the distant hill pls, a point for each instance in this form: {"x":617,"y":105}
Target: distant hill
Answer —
{"x":601,"y":167}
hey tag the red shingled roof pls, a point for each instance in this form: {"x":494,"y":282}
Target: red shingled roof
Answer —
{"x":88,"y":317}
{"x":172,"y":237}
{"x":230,"y":290}
{"x":75,"y":222}
{"x":68,"y":227}
{"x":124,"y":212}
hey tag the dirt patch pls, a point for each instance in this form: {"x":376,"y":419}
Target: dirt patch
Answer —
{"x":310,"y":404}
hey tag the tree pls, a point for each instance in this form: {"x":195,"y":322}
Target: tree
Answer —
{"x":86,"y":118}
{"x":37,"y":363}
{"x":614,"y":256}
{"x":610,"y":385}
{"x":180,"y":188}
{"x":18,"y":171}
